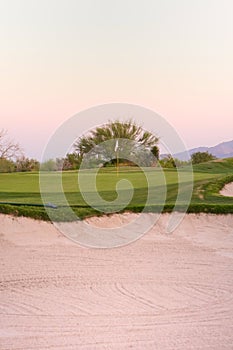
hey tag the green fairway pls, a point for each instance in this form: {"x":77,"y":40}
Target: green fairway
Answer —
{"x":20,"y":192}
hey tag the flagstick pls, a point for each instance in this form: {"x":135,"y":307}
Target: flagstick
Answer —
{"x":117,"y":157}
{"x":117,"y":163}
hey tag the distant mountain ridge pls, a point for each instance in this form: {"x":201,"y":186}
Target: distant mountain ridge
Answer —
{"x":222,"y":150}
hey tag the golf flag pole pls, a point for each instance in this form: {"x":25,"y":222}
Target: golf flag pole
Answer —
{"x":117,"y":158}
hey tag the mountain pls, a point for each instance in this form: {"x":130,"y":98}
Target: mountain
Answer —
{"x":222,"y":150}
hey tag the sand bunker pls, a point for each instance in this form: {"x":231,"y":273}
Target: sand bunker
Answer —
{"x":227,"y":191}
{"x":161,"y":292}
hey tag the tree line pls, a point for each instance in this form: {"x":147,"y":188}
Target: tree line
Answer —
{"x":115,"y":143}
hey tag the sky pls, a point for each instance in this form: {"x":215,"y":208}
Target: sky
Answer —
{"x":59,"y":57}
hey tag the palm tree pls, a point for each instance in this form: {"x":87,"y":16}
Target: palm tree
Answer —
{"x":119,"y":133}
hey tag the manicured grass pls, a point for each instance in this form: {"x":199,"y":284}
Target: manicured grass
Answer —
{"x":20,"y":192}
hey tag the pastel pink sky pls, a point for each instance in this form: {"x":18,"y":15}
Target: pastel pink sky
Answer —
{"x":58,"y":58}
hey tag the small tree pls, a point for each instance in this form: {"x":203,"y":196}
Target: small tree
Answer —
{"x":27,"y":164}
{"x":6,"y":166}
{"x":155,"y":151}
{"x":201,"y":157}
{"x":74,"y":160}
{"x":168,"y":162}
{"x":8,"y":148}
{"x":49,"y":165}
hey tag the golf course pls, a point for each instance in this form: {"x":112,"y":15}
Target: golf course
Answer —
{"x":21,"y":193}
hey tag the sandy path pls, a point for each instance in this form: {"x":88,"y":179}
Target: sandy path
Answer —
{"x":165,"y":292}
{"x":227,"y":191}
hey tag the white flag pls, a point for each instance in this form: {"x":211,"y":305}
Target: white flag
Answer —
{"x":116,"y":146}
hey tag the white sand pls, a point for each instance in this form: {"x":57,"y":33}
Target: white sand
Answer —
{"x":168,"y":292}
{"x":227,"y":191}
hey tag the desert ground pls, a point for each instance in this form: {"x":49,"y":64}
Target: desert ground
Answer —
{"x":164,"y":291}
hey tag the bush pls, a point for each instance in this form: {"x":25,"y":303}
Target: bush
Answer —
{"x":202,"y":157}
{"x":6,"y":166}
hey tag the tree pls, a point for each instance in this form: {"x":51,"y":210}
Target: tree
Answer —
{"x":49,"y":165}
{"x":8,"y":148}
{"x":27,"y":164}
{"x":6,"y":166}
{"x":74,"y":160}
{"x":119,"y":132}
{"x":168,"y":162}
{"x":63,"y":164}
{"x":201,"y":157}
{"x":155,"y":151}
